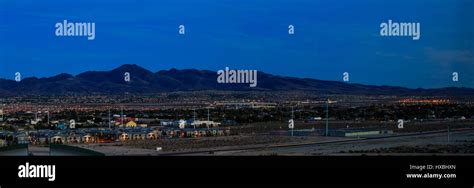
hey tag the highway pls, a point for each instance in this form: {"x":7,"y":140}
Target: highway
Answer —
{"x":413,"y":139}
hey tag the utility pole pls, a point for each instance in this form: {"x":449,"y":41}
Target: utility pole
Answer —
{"x":208,"y":119}
{"x":327,"y":117}
{"x":47,"y":112}
{"x":109,"y":118}
{"x":194,"y":118}
{"x":121,"y":116}
{"x":292,"y":116}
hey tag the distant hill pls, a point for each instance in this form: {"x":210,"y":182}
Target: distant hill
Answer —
{"x":145,"y":81}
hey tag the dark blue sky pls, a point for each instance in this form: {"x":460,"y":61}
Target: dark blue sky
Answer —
{"x":331,"y":37}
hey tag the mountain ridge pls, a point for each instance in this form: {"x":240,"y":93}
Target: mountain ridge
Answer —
{"x":145,"y":81}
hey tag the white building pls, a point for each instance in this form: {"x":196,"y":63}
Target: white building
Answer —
{"x":206,"y":123}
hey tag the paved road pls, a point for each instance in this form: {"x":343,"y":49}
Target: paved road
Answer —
{"x":38,"y":150}
{"x":335,"y":147}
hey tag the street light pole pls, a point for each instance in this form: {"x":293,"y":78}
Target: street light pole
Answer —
{"x":109,"y":118}
{"x":208,"y":119}
{"x":292,"y":118}
{"x":194,"y":118}
{"x":327,"y":117}
{"x":121,"y":116}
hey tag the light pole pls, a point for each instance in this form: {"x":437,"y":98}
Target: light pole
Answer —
{"x":194,"y":118}
{"x":121,"y":116}
{"x":208,"y":118}
{"x":327,"y":117}
{"x":47,"y":112}
{"x":293,"y":121}
{"x":109,"y":118}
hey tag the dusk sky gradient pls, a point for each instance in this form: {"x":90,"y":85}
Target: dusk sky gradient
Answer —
{"x":331,"y":37}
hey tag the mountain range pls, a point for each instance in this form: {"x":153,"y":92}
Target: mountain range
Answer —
{"x":144,"y":81}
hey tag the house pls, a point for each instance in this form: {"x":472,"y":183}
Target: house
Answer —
{"x":138,"y":136}
{"x":131,"y":124}
{"x":169,"y":123}
{"x":88,"y":139}
{"x":73,"y":138}
{"x":58,"y":139}
{"x":22,"y":138}
{"x":152,"y":135}
{"x":124,"y":137}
